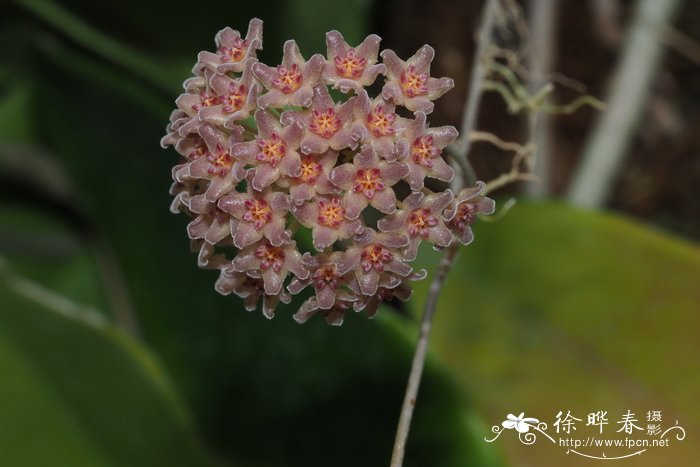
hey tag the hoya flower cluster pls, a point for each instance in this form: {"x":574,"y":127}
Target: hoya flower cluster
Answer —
{"x":267,"y":151}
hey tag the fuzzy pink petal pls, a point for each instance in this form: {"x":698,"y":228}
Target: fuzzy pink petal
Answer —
{"x":416,"y":176}
{"x":297,"y":285}
{"x":342,"y":176}
{"x":399,"y":267}
{"x":441,"y":170}
{"x":246,"y":234}
{"x":437,"y":202}
{"x":217,"y":232}
{"x":218,"y":187}
{"x":440,"y":236}
{"x":487,"y":206}
{"x":438,"y":87}
{"x":301,"y":193}
{"x":422,"y":59}
{"x":273,"y":281}
{"x":466,"y":236}
{"x":306,"y":214}
{"x":323,"y":237}
{"x":246,"y":261}
{"x":354,"y":203}
{"x":295,"y":265}
{"x":290,"y":165}
{"x":308,"y":309}
{"x":368,"y":281}
{"x":325,"y":297}
{"x":418,"y":104}
{"x":392,"y":172}
{"x":443,"y":135}
{"x":393,"y":222}
{"x":384,"y":201}
{"x":246,"y":151}
{"x":264,"y":177}
{"x":314,"y":144}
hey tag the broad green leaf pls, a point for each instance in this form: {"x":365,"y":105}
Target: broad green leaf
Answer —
{"x":553,"y":309}
{"x":76,"y":392}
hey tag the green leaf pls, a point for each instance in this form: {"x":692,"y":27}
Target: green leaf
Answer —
{"x":16,"y":123}
{"x":76,"y":392}
{"x":553,"y":309}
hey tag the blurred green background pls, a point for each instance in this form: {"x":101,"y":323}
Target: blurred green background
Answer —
{"x":115,"y":349}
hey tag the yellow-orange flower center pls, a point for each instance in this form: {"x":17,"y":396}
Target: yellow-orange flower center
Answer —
{"x":381,"y":123}
{"x":257,"y":211}
{"x":288,"y":79}
{"x":310,"y":170}
{"x":272,"y":150}
{"x":420,"y":221}
{"x":326,"y":276}
{"x":412,"y":83}
{"x":350,"y":66}
{"x":220,"y":161}
{"x":324,"y":124}
{"x":367,"y":182}
{"x":270,"y":257}
{"x":331,"y":214}
{"x":235,"y":99}
{"x":374,"y":256}
{"x":233,"y":54}
{"x":423,"y":150}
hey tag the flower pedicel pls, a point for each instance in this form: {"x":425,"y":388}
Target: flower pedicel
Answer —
{"x":266,"y":151}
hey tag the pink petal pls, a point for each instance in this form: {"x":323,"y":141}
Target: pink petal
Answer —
{"x":246,"y":234}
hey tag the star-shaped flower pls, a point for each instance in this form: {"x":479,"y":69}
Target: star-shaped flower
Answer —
{"x":216,"y":164}
{"x":327,"y":124}
{"x":236,"y":99}
{"x":313,"y":179}
{"x":326,"y":218}
{"x":259,"y":213}
{"x":232,"y":51}
{"x":272,"y":262}
{"x":326,"y":279}
{"x":420,"y":217}
{"x":409,"y":83}
{"x":462,"y":212}
{"x":349,"y":68}
{"x":210,"y":223}
{"x":250,"y":289}
{"x":373,"y":253}
{"x":420,"y":147}
{"x":290,"y":83}
{"x":375,"y":124}
{"x":333,"y":315}
{"x":273,"y":152}
{"x":367,"y":180}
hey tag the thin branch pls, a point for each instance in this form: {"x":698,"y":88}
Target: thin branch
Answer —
{"x":468,"y":124}
{"x":418,"y":364}
{"x":543,"y":14}
{"x":496,"y":141}
{"x":680,"y":42}
{"x":604,"y":154}
{"x":476,"y":81}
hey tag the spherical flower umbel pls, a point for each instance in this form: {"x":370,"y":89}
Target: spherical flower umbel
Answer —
{"x":266,"y":153}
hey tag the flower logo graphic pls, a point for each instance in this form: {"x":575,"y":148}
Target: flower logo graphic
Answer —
{"x":520,"y":423}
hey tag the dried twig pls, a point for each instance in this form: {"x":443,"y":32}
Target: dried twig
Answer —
{"x":468,"y":123}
